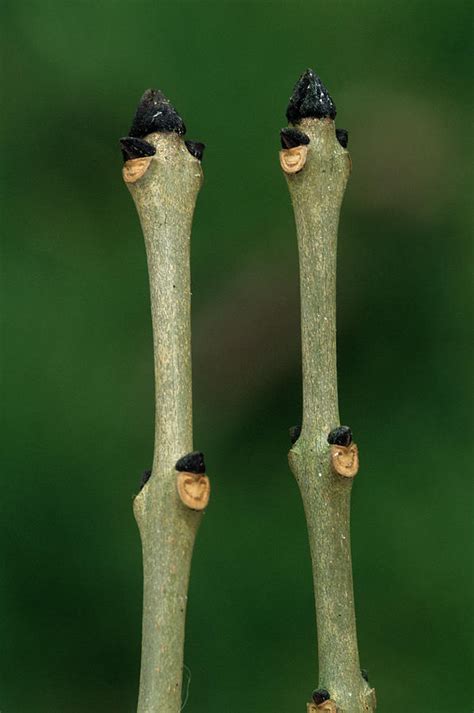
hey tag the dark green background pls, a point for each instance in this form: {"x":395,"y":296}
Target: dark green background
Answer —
{"x":77,"y":393}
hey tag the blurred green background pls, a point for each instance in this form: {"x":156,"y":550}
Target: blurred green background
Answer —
{"x":77,"y":389}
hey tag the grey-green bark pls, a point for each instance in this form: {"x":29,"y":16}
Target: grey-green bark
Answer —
{"x":165,"y":197}
{"x":316,"y":193}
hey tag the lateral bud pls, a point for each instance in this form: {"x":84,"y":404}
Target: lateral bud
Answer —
{"x":146,"y":475}
{"x":137,"y":155}
{"x":195,"y":148}
{"x":192,"y":463}
{"x":321,"y":702}
{"x":320,"y":695}
{"x":342,"y":135}
{"x":194,"y":487}
{"x":293,"y":137}
{"x":340,"y":436}
{"x":295,"y":433}
{"x":135,"y":148}
{"x":344,"y":453}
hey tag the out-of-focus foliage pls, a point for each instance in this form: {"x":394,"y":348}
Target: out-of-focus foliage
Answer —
{"x":77,"y":392}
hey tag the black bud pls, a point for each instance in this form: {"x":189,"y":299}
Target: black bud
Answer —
{"x":196,"y":149}
{"x":365,"y":674}
{"x":342,"y":135}
{"x":191,"y":463}
{"x":155,"y":113}
{"x":310,"y":99}
{"x":295,"y":432}
{"x":292,"y":137}
{"x":340,"y":436}
{"x":320,"y":695}
{"x":145,"y":478}
{"x":135,"y":148}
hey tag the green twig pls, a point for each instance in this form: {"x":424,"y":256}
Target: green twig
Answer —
{"x":317,"y":168}
{"x":165,"y":195}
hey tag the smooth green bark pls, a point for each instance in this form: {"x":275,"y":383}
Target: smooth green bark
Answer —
{"x":316,"y":193}
{"x":165,"y":198}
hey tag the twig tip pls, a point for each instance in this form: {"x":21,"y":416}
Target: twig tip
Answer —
{"x":310,"y":99}
{"x":155,"y":113}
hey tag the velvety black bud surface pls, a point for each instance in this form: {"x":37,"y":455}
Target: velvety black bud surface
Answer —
{"x":340,"y":436}
{"x":342,"y":136}
{"x":191,"y":463}
{"x":135,"y":148}
{"x":145,"y":478}
{"x":195,"y":148}
{"x":310,"y":99}
{"x":295,"y":432}
{"x":155,"y":113}
{"x":320,"y":695}
{"x":292,"y":137}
